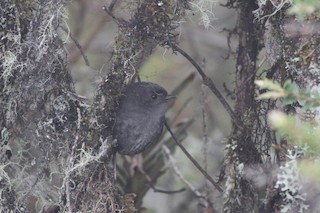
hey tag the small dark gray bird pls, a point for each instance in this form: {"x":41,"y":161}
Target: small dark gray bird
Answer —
{"x":140,"y":117}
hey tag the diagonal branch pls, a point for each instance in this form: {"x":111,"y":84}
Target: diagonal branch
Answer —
{"x":195,"y":163}
{"x":178,"y":172}
{"x":209,"y":83}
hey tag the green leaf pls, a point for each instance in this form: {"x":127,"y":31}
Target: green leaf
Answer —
{"x":287,"y":84}
{"x":307,"y":105}
{"x":316,"y":94}
{"x":307,"y":92}
{"x":291,"y":87}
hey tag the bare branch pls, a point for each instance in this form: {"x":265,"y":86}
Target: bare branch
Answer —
{"x":195,"y":163}
{"x":209,"y":83}
{"x":78,"y":45}
{"x":177,"y":171}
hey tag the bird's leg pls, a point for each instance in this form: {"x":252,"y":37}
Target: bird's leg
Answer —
{"x":136,"y":166}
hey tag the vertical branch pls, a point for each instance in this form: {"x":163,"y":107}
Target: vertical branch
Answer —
{"x":204,"y":125}
{"x":204,"y":204}
{"x":204,"y":129}
{"x":241,"y":194}
{"x":249,"y":32}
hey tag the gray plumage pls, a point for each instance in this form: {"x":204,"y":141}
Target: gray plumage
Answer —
{"x":140,"y":117}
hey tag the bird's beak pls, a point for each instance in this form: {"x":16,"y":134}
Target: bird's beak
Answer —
{"x":169,"y":97}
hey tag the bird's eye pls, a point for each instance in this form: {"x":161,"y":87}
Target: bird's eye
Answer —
{"x":154,"y":96}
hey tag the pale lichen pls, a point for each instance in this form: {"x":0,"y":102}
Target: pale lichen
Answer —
{"x":289,"y":182}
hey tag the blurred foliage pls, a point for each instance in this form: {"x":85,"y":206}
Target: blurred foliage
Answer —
{"x":289,"y":93}
{"x":302,"y":134}
{"x":303,"y":8}
{"x":296,"y":132}
{"x":311,"y":169}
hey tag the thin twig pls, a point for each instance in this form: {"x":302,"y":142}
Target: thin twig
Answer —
{"x":165,"y":191}
{"x":178,"y":173}
{"x":78,"y":45}
{"x":116,"y":19}
{"x":151,"y":183}
{"x":195,"y":163}
{"x":205,"y":134}
{"x":204,"y":97}
{"x":209,"y":83}
{"x":112,"y":4}
{"x":204,"y":125}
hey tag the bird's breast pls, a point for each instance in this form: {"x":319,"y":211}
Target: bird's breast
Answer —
{"x":136,"y":132}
